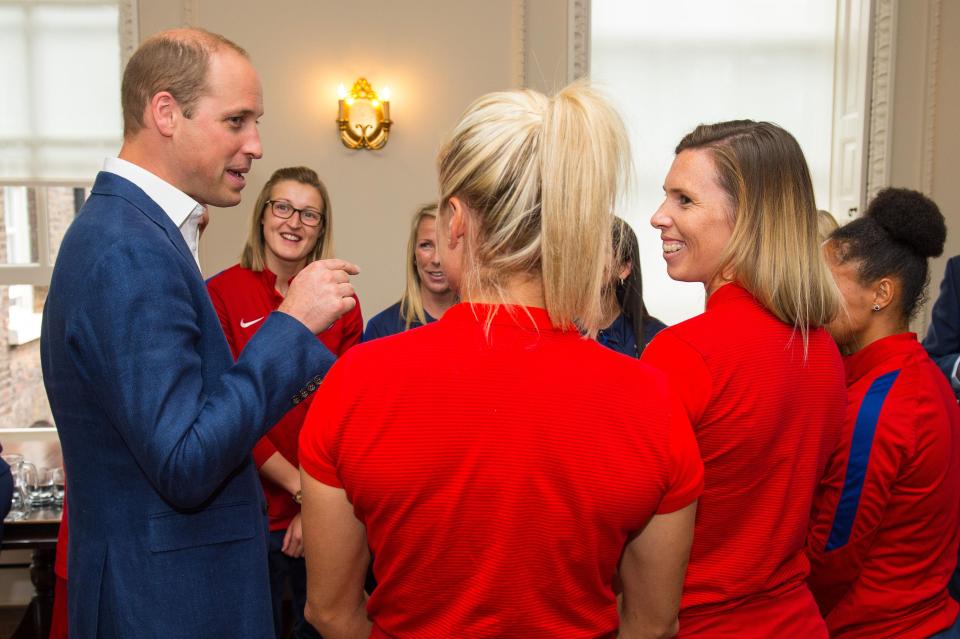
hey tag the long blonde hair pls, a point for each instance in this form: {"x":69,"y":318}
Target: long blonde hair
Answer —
{"x":411,"y":304}
{"x":254,"y":251}
{"x":542,"y":176}
{"x":774,"y":251}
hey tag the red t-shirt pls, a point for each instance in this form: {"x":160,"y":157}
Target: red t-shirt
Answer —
{"x":886,"y":520}
{"x":243,"y":299}
{"x":498,"y":477}
{"x":766,"y":415}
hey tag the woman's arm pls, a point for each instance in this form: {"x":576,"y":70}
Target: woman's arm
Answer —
{"x":281,"y":472}
{"x":652,"y":570}
{"x":337,"y":557}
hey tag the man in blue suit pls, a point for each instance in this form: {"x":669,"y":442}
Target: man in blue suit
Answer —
{"x":166,"y":513}
{"x":943,"y":337}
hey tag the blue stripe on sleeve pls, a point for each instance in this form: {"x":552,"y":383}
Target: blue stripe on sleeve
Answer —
{"x":863,"y":432}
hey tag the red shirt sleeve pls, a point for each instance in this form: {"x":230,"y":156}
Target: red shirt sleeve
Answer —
{"x":352,"y":329}
{"x":263,"y":450}
{"x":319,"y":430}
{"x":686,"y":372}
{"x":686,"y":476}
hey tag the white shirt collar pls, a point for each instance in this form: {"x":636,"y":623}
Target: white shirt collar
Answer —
{"x":183,"y":210}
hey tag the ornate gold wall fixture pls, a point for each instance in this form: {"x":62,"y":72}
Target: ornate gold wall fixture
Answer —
{"x":364,"y":117}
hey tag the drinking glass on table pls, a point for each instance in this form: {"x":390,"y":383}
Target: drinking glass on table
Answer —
{"x":17,"y":504}
{"x":38,"y":483}
{"x":59,"y":483}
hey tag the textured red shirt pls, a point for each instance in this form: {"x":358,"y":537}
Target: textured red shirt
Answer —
{"x":243,"y":299}
{"x":886,"y":520}
{"x":498,"y":479}
{"x":766,"y":417}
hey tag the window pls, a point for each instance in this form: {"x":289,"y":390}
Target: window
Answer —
{"x":59,"y":117}
{"x":673,"y":65}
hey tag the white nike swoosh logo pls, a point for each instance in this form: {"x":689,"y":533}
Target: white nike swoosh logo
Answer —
{"x":250,"y":323}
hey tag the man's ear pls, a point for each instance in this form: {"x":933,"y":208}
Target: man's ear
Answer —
{"x":165,"y":112}
{"x":458,"y":222}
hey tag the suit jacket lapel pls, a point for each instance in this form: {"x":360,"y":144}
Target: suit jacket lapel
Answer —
{"x":112,"y":184}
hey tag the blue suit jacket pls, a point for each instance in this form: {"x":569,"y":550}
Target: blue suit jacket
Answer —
{"x":943,"y":337}
{"x":167,"y":524}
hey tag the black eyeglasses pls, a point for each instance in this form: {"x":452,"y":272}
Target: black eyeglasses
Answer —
{"x":284,"y":210}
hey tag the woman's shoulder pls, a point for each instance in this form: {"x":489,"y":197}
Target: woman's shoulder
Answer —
{"x":386,"y":322}
{"x":391,"y":311}
{"x":230,"y":277}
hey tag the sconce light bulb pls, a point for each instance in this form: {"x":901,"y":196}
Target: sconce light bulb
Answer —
{"x":385,"y":94}
{"x":350,"y":101}
{"x":341,"y":91}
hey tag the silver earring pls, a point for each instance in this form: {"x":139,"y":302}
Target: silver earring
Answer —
{"x":876,"y":307}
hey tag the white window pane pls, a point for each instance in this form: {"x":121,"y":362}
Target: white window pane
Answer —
{"x":20,"y":208}
{"x":18,"y":233}
{"x":672,"y":65}
{"x":77,"y":71}
{"x":14,"y":95}
{"x":79,"y":161}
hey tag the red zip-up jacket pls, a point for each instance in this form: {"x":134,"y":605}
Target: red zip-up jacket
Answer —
{"x":243,"y":299}
{"x":886,"y":518}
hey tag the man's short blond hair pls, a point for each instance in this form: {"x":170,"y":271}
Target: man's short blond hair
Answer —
{"x":176,"y":61}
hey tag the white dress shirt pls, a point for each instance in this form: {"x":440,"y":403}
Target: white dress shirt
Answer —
{"x":182,"y":209}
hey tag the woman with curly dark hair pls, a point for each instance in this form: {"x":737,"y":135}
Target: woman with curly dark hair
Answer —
{"x":886,"y":517}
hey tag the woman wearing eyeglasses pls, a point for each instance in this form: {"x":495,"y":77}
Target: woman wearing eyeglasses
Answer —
{"x":291,"y":226}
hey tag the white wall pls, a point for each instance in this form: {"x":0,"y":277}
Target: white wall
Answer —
{"x":435,"y":55}
{"x":925,"y":149}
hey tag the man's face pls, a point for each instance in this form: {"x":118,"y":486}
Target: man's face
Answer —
{"x":215,"y":148}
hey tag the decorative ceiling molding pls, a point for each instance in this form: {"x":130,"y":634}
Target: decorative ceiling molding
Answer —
{"x":520,"y":44}
{"x":578,"y":39}
{"x":190,"y":13}
{"x":880,"y":142}
{"x":930,"y":98}
{"x":129,"y":30}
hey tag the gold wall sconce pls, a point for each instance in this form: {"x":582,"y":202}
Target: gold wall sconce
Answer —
{"x":364,"y":117}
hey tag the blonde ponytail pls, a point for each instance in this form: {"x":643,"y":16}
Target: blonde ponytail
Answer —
{"x":542,"y":176}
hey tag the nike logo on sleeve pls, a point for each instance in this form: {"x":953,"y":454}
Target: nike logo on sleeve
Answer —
{"x":250,"y":323}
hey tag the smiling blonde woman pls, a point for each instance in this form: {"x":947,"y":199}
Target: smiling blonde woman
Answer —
{"x":761,"y":381}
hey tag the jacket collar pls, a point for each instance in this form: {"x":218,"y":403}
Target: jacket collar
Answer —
{"x":884,"y":355}
{"x":113,"y":185}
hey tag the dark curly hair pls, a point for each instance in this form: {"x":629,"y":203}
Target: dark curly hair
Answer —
{"x":899,"y":232}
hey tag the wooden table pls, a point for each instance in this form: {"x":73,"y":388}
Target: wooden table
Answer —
{"x":37,"y":532}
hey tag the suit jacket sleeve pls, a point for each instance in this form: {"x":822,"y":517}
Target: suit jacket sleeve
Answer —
{"x":943,"y":337}
{"x":137,"y":338}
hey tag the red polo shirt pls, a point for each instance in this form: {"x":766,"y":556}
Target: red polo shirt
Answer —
{"x":766,"y":415}
{"x":886,"y":520}
{"x":498,"y":476}
{"x":243,"y":299}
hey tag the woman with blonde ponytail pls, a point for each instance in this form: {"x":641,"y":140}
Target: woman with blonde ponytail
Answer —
{"x":505,"y":502}
{"x":761,"y":380}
